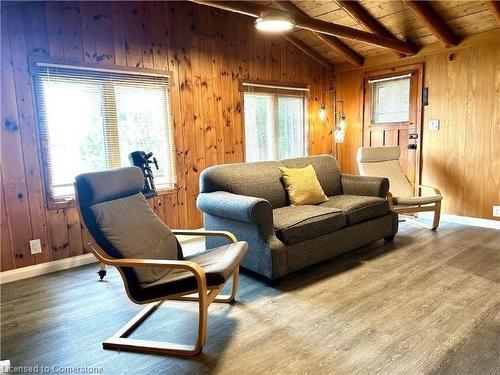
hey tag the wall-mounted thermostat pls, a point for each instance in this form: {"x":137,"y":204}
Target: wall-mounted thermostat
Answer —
{"x":433,"y":125}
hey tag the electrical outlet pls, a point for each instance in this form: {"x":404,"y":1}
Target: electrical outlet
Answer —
{"x":433,"y":125}
{"x":496,"y":211}
{"x":36,"y":246}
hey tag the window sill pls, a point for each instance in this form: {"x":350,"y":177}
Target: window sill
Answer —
{"x":71,"y":203}
{"x":61,"y":204}
{"x":167,"y":191}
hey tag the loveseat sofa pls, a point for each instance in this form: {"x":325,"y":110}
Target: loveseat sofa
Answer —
{"x":250,"y":200}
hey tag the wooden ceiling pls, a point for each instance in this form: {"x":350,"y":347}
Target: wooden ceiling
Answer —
{"x":339,"y":31}
{"x":462,"y":17}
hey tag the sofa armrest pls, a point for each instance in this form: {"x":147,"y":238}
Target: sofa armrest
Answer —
{"x":242,"y":208}
{"x":365,"y":185}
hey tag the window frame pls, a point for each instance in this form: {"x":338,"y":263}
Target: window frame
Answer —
{"x":368,"y":95}
{"x":43,"y":151}
{"x":273,"y":88}
{"x":372,"y":98}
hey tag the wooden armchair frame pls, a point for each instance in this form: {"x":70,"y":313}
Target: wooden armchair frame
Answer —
{"x":203,"y":295}
{"x":424,"y":207}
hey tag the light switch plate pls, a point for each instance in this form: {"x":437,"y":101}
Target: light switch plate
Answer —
{"x":433,"y":125}
{"x":35,"y":246}
{"x":496,"y":211}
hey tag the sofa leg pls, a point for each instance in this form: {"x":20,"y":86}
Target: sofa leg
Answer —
{"x":389,"y":238}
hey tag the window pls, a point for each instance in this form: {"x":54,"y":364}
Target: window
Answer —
{"x":91,"y":120}
{"x":274,"y":122}
{"x":391,"y":100}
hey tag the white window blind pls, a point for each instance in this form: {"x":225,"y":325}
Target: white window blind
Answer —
{"x":391,"y":100}
{"x":91,"y":120}
{"x":275,"y":122}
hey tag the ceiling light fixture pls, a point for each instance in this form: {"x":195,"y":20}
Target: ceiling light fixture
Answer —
{"x":274,"y":22}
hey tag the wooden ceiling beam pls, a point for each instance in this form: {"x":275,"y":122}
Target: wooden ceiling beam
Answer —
{"x":308,"y":51}
{"x":308,"y":23}
{"x":495,"y":9}
{"x":438,"y":27}
{"x":341,"y":49}
{"x":335,"y":44}
{"x":365,"y":19}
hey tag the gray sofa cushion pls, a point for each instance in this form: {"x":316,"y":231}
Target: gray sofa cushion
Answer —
{"x":358,"y":208}
{"x":326,"y":167}
{"x":260,"y":179}
{"x":135,"y":231}
{"x":299,"y":223}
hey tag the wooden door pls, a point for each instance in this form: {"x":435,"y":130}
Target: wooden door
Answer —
{"x":392,"y":113}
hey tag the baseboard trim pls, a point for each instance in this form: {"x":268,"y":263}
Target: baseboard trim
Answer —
{"x":64,"y":264}
{"x":465,"y":220}
{"x":47,"y":267}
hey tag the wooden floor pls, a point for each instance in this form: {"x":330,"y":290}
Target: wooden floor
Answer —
{"x":429,"y":303}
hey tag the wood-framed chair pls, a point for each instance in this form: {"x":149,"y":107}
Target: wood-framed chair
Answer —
{"x":384,"y":162}
{"x":129,"y":236}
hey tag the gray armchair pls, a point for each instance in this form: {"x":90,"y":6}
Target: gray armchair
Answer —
{"x":129,"y":236}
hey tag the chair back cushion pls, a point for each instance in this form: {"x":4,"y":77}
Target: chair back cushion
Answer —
{"x":384,"y":162}
{"x":377,"y":154}
{"x":122,"y":223}
{"x":263,"y":179}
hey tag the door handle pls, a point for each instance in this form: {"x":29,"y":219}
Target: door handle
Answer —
{"x":412,"y":146}
{"x":413,"y":135}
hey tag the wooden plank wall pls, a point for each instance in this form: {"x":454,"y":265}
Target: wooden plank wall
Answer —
{"x":207,"y":51}
{"x":463,"y":157}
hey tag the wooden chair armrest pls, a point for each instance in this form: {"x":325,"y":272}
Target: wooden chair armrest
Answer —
{"x":205,"y":233}
{"x":436,"y":190}
{"x":188,"y":265}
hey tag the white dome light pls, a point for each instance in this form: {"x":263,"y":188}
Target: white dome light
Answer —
{"x":274,"y":22}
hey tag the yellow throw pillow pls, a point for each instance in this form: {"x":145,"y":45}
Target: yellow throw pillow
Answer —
{"x":303,"y":186}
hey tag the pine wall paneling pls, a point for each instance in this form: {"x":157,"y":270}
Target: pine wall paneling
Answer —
{"x":462,"y":158}
{"x":207,"y":52}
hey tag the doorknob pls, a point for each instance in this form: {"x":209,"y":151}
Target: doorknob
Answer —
{"x":412,"y":146}
{"x":413,"y":135}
